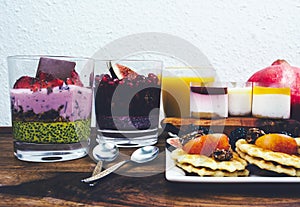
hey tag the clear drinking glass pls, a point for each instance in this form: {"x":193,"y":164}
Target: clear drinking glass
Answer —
{"x":271,"y":100}
{"x":176,"y":88}
{"x":239,"y":98}
{"x":127,"y":101}
{"x":51,"y":104}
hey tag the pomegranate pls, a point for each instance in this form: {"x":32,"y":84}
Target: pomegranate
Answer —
{"x":282,"y":72}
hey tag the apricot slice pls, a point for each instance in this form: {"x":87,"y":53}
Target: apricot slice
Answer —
{"x":207,"y":144}
{"x":278,"y":143}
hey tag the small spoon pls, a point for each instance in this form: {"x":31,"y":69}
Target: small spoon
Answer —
{"x":106,"y":151}
{"x":141,"y":155}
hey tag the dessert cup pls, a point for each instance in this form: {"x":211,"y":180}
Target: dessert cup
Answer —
{"x":127,"y":101}
{"x":51,"y":105}
{"x":239,"y":98}
{"x":209,"y":100}
{"x":176,"y":88}
{"x":271,"y":100}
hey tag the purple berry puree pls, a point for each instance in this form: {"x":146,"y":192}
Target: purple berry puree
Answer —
{"x":127,"y":104}
{"x":69,"y":101}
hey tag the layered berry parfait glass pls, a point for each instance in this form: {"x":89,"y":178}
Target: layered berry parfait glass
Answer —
{"x":51,"y":105}
{"x":127,"y":101}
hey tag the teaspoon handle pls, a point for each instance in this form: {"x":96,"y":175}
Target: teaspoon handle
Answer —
{"x":98,"y":168}
{"x":105,"y":172}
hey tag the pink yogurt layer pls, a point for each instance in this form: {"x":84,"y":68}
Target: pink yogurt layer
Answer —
{"x":76,"y":101}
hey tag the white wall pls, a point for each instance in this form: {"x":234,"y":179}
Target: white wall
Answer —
{"x":238,"y":37}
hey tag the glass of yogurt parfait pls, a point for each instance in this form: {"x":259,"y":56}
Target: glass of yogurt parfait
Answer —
{"x":271,"y":100}
{"x":127,"y":101}
{"x":51,"y":105}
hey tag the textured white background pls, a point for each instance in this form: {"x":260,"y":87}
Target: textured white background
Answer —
{"x":238,"y":37}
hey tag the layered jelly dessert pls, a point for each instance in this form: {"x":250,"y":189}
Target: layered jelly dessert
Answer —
{"x":126,"y":100}
{"x":209,"y":101}
{"x":271,"y":102}
{"x":51,"y":107}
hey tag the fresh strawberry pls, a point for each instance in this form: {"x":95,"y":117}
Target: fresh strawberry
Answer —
{"x":35,"y":86}
{"x":69,"y":81}
{"x":55,"y":82}
{"x":74,"y":80}
{"x":207,"y":144}
{"x":24,"y":82}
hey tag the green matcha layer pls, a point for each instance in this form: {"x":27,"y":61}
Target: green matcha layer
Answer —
{"x":52,"y":133}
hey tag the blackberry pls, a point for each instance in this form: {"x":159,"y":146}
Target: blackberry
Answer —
{"x":238,"y":133}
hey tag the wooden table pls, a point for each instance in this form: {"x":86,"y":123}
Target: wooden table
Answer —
{"x":58,"y":184}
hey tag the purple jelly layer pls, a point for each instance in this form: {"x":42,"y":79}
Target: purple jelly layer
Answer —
{"x":72,"y":102}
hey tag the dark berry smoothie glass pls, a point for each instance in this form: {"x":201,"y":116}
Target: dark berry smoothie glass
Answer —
{"x":51,"y":106}
{"x":127,"y":101}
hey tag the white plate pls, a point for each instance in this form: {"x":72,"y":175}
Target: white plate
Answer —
{"x":174,"y":173}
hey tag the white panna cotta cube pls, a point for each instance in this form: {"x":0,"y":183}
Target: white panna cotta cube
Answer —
{"x":239,"y":101}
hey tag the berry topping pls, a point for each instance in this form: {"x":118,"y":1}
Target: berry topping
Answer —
{"x":207,"y":144}
{"x":278,"y":143}
{"x":24,"y":82}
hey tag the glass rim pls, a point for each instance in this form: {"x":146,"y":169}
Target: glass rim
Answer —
{"x":30,"y":57}
{"x":127,"y":60}
{"x":189,"y":67}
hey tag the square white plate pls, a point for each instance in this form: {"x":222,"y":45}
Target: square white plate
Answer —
{"x":174,"y":173}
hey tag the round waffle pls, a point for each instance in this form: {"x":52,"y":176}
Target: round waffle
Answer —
{"x":269,"y":165}
{"x":202,"y":161}
{"x":203,"y":171}
{"x":268,"y":155}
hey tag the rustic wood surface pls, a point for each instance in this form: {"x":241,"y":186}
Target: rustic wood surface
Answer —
{"x":58,"y":184}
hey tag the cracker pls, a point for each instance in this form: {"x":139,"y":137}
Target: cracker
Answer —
{"x":269,"y":165}
{"x":268,"y":155}
{"x":236,"y":163}
{"x":202,"y":171}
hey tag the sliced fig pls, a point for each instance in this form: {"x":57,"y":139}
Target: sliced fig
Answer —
{"x":120,"y":71}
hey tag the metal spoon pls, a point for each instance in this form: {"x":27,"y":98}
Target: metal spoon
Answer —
{"x":106,"y":151}
{"x":141,"y":155}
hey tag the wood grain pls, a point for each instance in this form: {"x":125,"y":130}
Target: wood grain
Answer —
{"x":58,"y":184}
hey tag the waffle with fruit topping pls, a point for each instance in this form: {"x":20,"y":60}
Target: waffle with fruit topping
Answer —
{"x":273,"y":152}
{"x":210,"y":155}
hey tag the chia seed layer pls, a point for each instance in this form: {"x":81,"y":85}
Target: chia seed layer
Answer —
{"x":51,"y":133}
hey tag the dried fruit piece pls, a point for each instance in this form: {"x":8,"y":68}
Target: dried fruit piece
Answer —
{"x":222,"y":155}
{"x":207,"y":144}
{"x":253,"y":134}
{"x":278,"y":143}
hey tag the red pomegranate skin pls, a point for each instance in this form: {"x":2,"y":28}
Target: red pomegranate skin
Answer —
{"x":281,"y":72}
